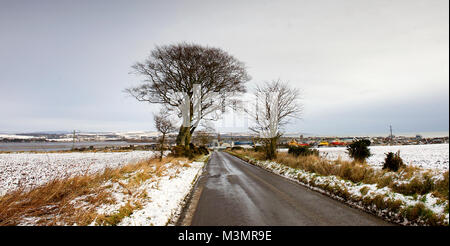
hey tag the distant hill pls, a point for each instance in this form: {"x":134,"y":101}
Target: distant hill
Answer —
{"x":44,"y":133}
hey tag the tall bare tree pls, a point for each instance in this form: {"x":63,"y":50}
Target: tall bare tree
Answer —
{"x":174,"y":73}
{"x":275,"y":105}
{"x":164,"y":126}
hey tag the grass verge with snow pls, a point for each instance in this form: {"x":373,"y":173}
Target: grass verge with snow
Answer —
{"x":412,"y":196}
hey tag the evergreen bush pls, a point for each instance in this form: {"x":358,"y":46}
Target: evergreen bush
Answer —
{"x":359,"y":150}
{"x":393,"y":161}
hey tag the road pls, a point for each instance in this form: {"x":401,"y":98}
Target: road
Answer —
{"x":234,"y":192}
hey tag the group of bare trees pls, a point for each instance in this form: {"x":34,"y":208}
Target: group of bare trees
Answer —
{"x":198,"y":83}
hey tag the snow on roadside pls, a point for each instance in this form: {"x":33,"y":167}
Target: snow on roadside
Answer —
{"x":33,"y":169}
{"x":164,"y":196}
{"x":313,"y":181}
{"x":165,"y":201}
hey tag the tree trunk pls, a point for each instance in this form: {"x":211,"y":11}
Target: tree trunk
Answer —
{"x":271,"y":148}
{"x":181,"y":138}
{"x":185,"y":133}
{"x":184,"y":137}
{"x":162,"y":146}
{"x":187,"y":140}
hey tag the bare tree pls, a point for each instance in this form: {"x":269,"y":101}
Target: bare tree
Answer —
{"x":175,"y":74}
{"x":203,"y":138}
{"x":204,"y":135}
{"x":275,"y":105}
{"x":164,"y":126}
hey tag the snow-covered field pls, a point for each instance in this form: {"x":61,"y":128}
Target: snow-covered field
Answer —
{"x":432,"y":156}
{"x":33,"y":169}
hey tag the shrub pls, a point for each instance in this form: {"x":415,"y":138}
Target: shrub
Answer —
{"x":179,"y":151}
{"x":203,"y":150}
{"x":237,"y":148}
{"x":393,"y":161}
{"x":359,"y":150}
{"x":302,"y":151}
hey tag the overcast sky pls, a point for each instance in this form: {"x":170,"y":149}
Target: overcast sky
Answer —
{"x":361,"y":64}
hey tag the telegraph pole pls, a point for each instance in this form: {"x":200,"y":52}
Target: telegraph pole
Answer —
{"x":391,"y":136}
{"x":73,"y":141}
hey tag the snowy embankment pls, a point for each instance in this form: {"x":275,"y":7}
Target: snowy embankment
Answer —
{"x":29,"y":170}
{"x":157,"y":201}
{"x":429,"y":156}
{"x":167,"y":197}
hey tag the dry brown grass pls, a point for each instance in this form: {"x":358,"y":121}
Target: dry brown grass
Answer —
{"x":113,"y":219}
{"x":419,"y":211}
{"x":425,"y":184}
{"x":74,"y":200}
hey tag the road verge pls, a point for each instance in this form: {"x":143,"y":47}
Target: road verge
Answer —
{"x":384,"y":202}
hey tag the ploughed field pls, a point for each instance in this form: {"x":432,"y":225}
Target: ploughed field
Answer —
{"x":28,"y":170}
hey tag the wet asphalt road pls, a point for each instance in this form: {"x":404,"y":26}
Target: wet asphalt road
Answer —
{"x":234,"y":192}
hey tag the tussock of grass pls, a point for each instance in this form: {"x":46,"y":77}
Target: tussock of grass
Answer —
{"x":55,"y":195}
{"x":115,"y":218}
{"x":364,"y":190}
{"x":419,"y":211}
{"x":58,"y":202}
